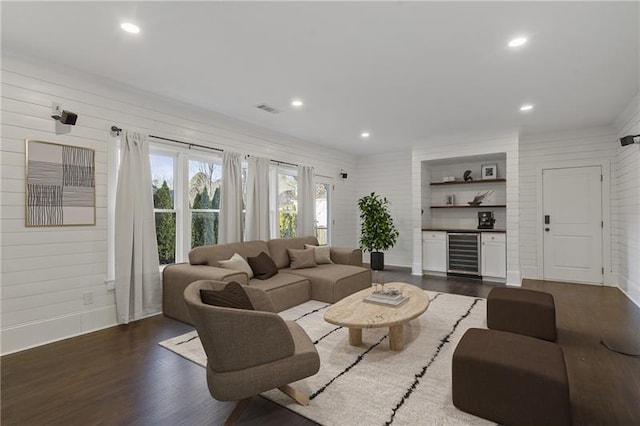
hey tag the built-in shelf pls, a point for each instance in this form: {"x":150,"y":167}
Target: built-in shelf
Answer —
{"x":481,"y":206}
{"x":459,"y":182}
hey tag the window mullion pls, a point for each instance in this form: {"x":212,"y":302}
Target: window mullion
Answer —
{"x":183,"y":218}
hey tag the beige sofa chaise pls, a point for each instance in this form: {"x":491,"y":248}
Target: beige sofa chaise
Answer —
{"x":326,"y":282}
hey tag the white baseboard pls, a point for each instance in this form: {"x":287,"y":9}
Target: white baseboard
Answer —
{"x":38,"y":333}
{"x":530,"y":272}
{"x":629,"y":283}
{"x":514,"y":278}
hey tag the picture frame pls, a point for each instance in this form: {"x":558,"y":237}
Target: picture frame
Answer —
{"x":489,"y":171}
{"x":60,"y":185}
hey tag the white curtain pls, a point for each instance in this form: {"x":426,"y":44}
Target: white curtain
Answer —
{"x":257,"y":218}
{"x":306,"y":201}
{"x":230,"y":230}
{"x":137,"y":272}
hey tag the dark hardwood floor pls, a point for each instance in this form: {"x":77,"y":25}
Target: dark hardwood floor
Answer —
{"x":120,"y":376}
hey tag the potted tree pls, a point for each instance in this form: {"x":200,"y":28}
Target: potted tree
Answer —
{"x":378,"y":232}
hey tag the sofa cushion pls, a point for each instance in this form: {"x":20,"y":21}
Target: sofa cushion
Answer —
{"x":237,"y":263}
{"x":278,"y":248}
{"x":262,"y":266}
{"x":231,"y":296}
{"x":301,"y":259}
{"x":210,"y":255}
{"x":323,"y":253}
{"x":330,"y":283}
{"x":282,"y":279}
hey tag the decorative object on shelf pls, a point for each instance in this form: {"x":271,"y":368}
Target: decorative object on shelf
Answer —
{"x":377,"y":230}
{"x":467,"y":175}
{"x":60,"y":185}
{"x":477,"y":200}
{"x":485,"y":220}
{"x":449,"y":179}
{"x":451,"y":200}
{"x":489,"y":171}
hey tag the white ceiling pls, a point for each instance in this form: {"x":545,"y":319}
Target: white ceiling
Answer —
{"x":404,"y":71}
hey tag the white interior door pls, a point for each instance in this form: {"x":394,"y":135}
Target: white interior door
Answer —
{"x":572,"y":208}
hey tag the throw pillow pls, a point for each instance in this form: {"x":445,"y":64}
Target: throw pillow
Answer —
{"x":301,"y":259}
{"x":323,"y":253}
{"x":263,"y":266}
{"x":238,"y":263}
{"x":231,"y":296}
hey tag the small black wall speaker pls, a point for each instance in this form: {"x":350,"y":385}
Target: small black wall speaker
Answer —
{"x":67,"y":117}
{"x":628,"y":140}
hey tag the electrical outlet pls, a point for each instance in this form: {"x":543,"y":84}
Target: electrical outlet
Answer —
{"x":87,"y":296}
{"x":111,"y":285}
{"x":56,"y":109}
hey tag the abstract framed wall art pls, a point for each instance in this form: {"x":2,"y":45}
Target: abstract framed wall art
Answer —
{"x":60,"y":185}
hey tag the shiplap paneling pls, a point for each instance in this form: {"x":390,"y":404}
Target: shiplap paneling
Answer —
{"x":626,"y":199}
{"x":388,"y":175}
{"x":46,"y":271}
{"x":588,"y":146}
{"x":465,"y":146}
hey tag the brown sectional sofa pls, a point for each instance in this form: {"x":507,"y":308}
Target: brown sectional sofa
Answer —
{"x":326,"y":283}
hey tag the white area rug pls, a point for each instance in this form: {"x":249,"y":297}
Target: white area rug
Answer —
{"x":369,"y":384}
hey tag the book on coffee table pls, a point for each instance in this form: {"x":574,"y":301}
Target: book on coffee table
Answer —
{"x":386,"y":300}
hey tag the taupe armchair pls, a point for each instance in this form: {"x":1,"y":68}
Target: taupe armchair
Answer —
{"x":249,"y":352}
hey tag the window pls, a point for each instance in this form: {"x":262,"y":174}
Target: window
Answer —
{"x":321,"y":225}
{"x":204,"y":201}
{"x":287,"y":190}
{"x":162,"y":182}
{"x":186,"y":200}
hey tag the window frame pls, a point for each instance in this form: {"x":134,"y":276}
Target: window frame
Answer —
{"x":320,"y":180}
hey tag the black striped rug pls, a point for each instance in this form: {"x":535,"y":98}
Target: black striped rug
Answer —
{"x":369,"y":384}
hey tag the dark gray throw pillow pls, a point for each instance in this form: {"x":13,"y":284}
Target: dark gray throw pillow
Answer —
{"x":231,"y":296}
{"x":262,"y":266}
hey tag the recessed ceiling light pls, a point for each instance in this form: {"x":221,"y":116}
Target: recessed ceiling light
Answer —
{"x":130,"y":28}
{"x":516,"y":42}
{"x":526,"y":107}
{"x":297,"y":103}
{"x":364,"y":135}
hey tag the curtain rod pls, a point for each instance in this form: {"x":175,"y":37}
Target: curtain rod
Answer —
{"x":117,"y":131}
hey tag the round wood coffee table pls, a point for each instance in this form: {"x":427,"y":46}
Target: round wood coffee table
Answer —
{"x":352,"y":312}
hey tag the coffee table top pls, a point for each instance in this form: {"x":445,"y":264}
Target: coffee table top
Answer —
{"x":353,"y":312}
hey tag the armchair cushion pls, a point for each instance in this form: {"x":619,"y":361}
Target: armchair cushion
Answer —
{"x":231,"y":296}
{"x":237,"y":263}
{"x":262,"y":266}
{"x":301,"y":259}
{"x":322,"y":253}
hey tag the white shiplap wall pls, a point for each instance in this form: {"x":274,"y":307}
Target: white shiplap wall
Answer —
{"x":388,"y":175}
{"x":626,"y":199}
{"x":559,"y":149}
{"x":465,"y":146}
{"x":45,"y":271}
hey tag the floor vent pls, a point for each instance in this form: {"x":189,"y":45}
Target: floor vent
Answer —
{"x":267,"y":108}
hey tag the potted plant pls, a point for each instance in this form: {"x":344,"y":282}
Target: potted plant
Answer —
{"x":378,"y":231}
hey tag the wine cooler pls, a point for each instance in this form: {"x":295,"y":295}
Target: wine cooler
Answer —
{"x":464,"y":253}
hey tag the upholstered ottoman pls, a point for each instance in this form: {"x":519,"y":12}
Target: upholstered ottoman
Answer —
{"x":510,"y":379}
{"x":528,"y":312}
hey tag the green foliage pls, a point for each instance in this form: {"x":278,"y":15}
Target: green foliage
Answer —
{"x":165,"y":225}
{"x":288,"y":219}
{"x":204,"y":225}
{"x":378,"y":232}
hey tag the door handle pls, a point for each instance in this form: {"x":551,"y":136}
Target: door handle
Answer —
{"x":546,"y":229}
{"x":547,"y":219}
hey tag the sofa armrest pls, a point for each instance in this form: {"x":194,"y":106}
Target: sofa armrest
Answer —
{"x":346,"y":256}
{"x":176,"y":277}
